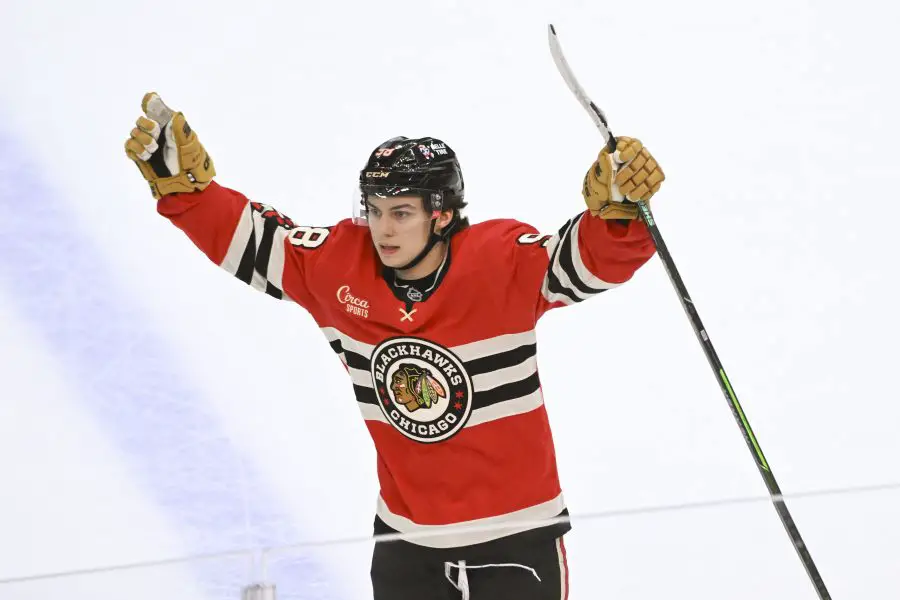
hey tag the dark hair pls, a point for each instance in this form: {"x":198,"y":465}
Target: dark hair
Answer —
{"x":462,"y":222}
{"x":458,"y":222}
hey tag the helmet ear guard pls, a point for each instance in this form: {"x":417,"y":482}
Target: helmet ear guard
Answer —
{"x":437,"y":204}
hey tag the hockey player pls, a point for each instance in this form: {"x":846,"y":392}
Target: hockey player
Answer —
{"x":434,"y":320}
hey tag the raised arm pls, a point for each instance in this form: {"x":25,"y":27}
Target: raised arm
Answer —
{"x":602,"y":247}
{"x":252,"y":241}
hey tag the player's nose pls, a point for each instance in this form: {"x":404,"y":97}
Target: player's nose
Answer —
{"x":387,"y":228}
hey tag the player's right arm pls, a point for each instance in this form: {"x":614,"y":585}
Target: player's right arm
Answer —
{"x":252,"y":241}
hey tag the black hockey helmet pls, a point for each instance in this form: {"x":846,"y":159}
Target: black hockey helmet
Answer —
{"x":424,"y":167}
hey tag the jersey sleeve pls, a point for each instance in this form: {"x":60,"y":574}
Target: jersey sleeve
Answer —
{"x":586,"y":257}
{"x":254,"y":242}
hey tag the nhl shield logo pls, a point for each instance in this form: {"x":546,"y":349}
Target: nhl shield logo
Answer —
{"x":422,"y":388}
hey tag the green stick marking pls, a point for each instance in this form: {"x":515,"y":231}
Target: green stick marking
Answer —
{"x":737,"y":406}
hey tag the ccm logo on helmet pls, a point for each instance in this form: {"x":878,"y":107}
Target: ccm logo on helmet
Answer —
{"x":377,"y":174}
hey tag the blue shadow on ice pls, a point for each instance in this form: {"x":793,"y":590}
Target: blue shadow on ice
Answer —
{"x":62,"y":286}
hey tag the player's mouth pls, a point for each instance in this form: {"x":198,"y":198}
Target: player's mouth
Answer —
{"x":388,"y":250}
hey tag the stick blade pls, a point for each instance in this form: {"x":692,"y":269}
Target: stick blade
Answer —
{"x":568,"y":76}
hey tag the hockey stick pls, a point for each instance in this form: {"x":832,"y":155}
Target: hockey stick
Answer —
{"x":774,"y":491}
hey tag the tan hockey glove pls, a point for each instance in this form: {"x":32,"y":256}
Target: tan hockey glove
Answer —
{"x":630,"y":173}
{"x":166,"y":150}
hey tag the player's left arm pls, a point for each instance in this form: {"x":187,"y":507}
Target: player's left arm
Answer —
{"x":602,"y":247}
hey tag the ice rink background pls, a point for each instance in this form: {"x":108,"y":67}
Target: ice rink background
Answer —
{"x":153,"y":408}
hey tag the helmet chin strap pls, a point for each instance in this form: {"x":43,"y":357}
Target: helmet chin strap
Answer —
{"x":433,"y":239}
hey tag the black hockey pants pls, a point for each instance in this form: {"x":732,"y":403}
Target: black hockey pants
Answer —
{"x":511,"y":569}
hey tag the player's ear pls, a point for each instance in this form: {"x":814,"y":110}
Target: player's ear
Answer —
{"x":445,"y":218}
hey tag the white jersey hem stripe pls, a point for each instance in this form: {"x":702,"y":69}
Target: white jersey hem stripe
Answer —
{"x":471,"y":532}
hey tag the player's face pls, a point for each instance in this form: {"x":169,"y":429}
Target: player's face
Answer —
{"x":400,"y":228}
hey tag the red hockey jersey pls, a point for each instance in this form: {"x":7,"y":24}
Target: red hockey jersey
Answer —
{"x":448,"y":386}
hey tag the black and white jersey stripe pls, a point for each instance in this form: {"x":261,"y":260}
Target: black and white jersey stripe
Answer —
{"x":256,"y":252}
{"x":503,"y":370}
{"x":568,"y":280}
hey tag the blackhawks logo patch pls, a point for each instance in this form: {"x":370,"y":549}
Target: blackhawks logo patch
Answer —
{"x":422,"y":388}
